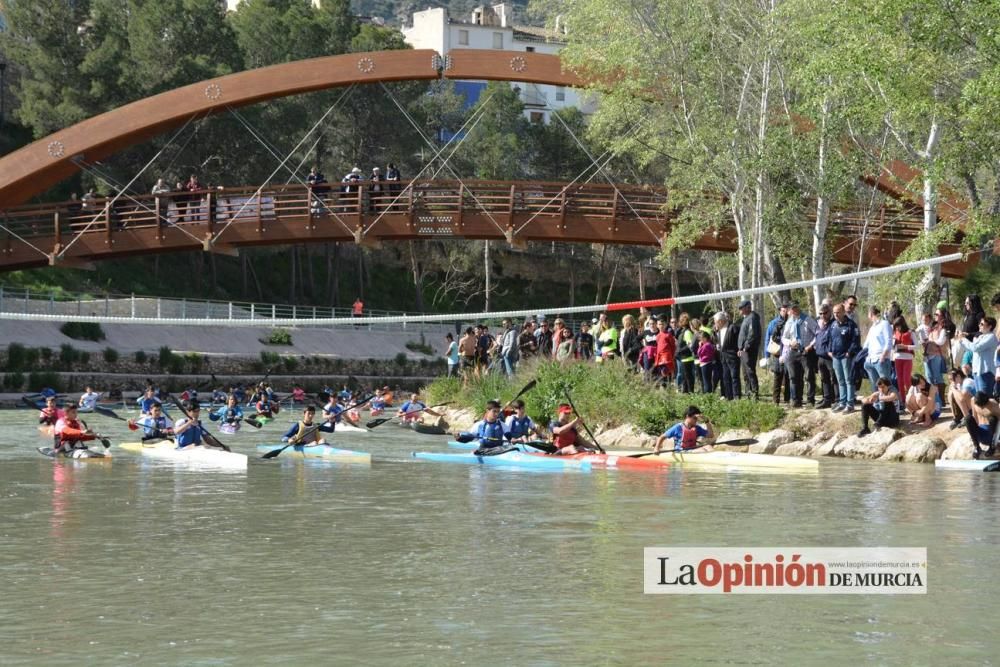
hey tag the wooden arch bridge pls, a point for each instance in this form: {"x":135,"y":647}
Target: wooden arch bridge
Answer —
{"x":224,"y":219}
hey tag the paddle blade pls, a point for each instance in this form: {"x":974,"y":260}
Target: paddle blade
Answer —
{"x":28,"y":402}
{"x":107,"y":412}
{"x":739,"y":442}
{"x":253,"y":422}
{"x":274,"y":452}
{"x":546,"y":447}
{"x":378,"y":422}
{"x":528,"y":387}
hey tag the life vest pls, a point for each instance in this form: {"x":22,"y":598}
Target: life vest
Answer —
{"x":190,"y":436}
{"x":490,"y":434}
{"x":518,"y":427}
{"x":689,"y":437}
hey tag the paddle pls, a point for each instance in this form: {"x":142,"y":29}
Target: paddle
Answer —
{"x":30,"y":403}
{"x":108,"y":412}
{"x":104,"y":441}
{"x":524,"y":390}
{"x":208,"y":437}
{"x":583,"y":423}
{"x":739,"y":442}
{"x":381,"y":420}
{"x":274,"y":453}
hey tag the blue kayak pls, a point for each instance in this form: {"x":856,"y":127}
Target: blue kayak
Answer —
{"x":472,"y":446}
{"x":507,"y":460}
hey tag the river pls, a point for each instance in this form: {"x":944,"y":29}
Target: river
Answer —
{"x":409,"y":562}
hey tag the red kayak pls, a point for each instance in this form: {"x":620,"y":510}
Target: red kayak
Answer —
{"x":614,"y":461}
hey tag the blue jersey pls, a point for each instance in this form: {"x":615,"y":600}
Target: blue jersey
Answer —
{"x":516,"y":428}
{"x":146,"y":404}
{"x":685,"y":438}
{"x":227,"y":414}
{"x":153,"y":427}
{"x":490,"y":434}
{"x":191,"y":436}
{"x":412,"y":406}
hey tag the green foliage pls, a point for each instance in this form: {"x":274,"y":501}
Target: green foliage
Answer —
{"x":68,"y":355}
{"x":400,"y":359}
{"x":420,"y":346}
{"x":195,"y":361}
{"x":21,"y":358}
{"x":166,"y":356}
{"x":278,"y":337}
{"x":269,"y":358}
{"x":140,"y":357}
{"x":605,"y":394}
{"x":110,"y":355}
{"x":290,"y":364}
{"x":83,"y":331}
{"x":37,"y":380}
{"x":13,"y":381}
{"x":499,"y":142}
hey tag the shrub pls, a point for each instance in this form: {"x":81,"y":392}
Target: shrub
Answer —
{"x":83,"y":357}
{"x":176,"y":365}
{"x":270,"y":358}
{"x":16,"y":357}
{"x":45,"y":379}
{"x":400,"y":359}
{"x":278,"y":337}
{"x":68,"y":355}
{"x":423,"y":348}
{"x":45,"y":353}
{"x":195,"y":361}
{"x":110,"y":355}
{"x":140,"y":357}
{"x":83,"y":331}
{"x":290,"y":363}
{"x":166,"y":355}
{"x":13,"y":381}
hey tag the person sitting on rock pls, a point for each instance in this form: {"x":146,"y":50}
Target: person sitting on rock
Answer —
{"x":982,"y":424}
{"x":922,"y":401}
{"x":960,"y":394}
{"x":880,"y":407}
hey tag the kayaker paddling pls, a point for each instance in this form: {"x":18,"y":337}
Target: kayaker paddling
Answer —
{"x":70,"y":434}
{"x":305,"y":431}
{"x":685,"y":433}
{"x":564,"y":434}
{"x":154,"y":425}
{"x":413,"y":409}
{"x":50,"y":414}
{"x":265,"y":408}
{"x":188,"y":429}
{"x":147,"y":402}
{"x":519,"y":427}
{"x":231,"y":413}
{"x":490,"y":432}
{"x":88,"y":399}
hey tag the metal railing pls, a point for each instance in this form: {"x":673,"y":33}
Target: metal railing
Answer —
{"x":27,"y":302}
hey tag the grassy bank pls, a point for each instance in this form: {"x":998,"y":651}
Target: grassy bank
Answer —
{"x":605,"y":394}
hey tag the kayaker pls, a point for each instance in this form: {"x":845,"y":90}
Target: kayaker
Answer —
{"x":264,"y":407}
{"x":564,"y":434}
{"x":219,"y":397}
{"x":332,"y":410}
{"x":148,"y":401}
{"x":685,"y":433}
{"x":88,"y":399}
{"x":982,"y":424}
{"x":70,"y":434}
{"x":297,"y":433}
{"x":377,"y":406}
{"x":490,"y":432}
{"x":519,"y":427}
{"x":344,"y":394}
{"x":189,"y":431}
{"x":411,"y":409}
{"x":298,"y":395}
{"x":230,"y":413}
{"x":154,"y":425}
{"x":50,"y":414}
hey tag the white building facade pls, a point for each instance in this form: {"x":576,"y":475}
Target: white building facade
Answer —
{"x":493,"y":27}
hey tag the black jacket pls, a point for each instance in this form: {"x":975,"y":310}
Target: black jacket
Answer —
{"x":750,"y":333}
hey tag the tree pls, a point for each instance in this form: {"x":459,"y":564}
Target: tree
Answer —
{"x":498,"y":142}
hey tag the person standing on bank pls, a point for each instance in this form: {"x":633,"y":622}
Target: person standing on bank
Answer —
{"x":729,"y":356}
{"x":748,"y":347}
{"x":824,"y":361}
{"x":797,"y":340}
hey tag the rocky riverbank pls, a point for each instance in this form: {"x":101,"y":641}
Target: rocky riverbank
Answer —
{"x":807,"y":433}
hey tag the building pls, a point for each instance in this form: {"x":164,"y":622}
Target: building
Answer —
{"x":493,"y":27}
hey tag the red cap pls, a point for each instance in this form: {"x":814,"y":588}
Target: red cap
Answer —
{"x":565,"y":409}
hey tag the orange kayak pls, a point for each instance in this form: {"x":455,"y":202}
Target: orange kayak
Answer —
{"x":613,"y":461}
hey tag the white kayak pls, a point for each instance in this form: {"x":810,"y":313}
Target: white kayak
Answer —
{"x":969,"y":465}
{"x":734,"y":460}
{"x":207,"y":457}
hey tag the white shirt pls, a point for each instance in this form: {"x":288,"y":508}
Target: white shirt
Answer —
{"x":89,"y":400}
{"x":878,"y":341}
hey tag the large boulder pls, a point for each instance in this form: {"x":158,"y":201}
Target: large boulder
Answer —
{"x":802,"y":447}
{"x":959,"y":449}
{"x":769,"y":441}
{"x":917,"y":448}
{"x":871,"y":446}
{"x":625,"y":436}
{"x":827,"y":447}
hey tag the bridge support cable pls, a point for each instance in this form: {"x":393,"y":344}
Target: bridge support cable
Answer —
{"x":293,"y":172}
{"x":446,"y":165}
{"x":657,"y":237}
{"x":479,"y":316}
{"x":111,"y":202}
{"x":478,"y":116}
{"x":256,"y":196}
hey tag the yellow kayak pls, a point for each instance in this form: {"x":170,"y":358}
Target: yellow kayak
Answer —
{"x":733,"y":460}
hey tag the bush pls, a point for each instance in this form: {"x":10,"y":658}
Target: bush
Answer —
{"x":400,"y":359}
{"x":13,"y":381}
{"x":110,"y":355}
{"x":45,"y":353}
{"x":194,"y":361}
{"x":16,"y":357}
{"x":278,"y":337}
{"x":290,"y":363}
{"x":83,"y":331}
{"x":421,"y":347}
{"x":140,"y":357}
{"x":176,"y":365}
{"x":44,"y":379}
{"x":270,"y":358}
{"x":68,"y":355}
{"x":166,"y":355}
{"x":83,"y":357}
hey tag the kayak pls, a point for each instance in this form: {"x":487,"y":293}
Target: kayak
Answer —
{"x":262,"y":420}
{"x":166,"y":450}
{"x":47,"y":431}
{"x":508,"y":459}
{"x":970,"y":465}
{"x":76,"y":455}
{"x":425,"y":429}
{"x":471,"y":446}
{"x":325,"y":452}
{"x":611,"y":460}
{"x":731,"y":460}
{"x":344,"y":427}
{"x":229,"y":429}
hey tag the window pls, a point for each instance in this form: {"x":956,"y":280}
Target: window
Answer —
{"x":537,"y":117}
{"x":529,"y":49}
{"x":498,"y":40}
{"x":463,"y":37}
{"x":560,"y":94}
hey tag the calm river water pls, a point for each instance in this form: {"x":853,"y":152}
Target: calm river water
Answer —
{"x":411,"y":562}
